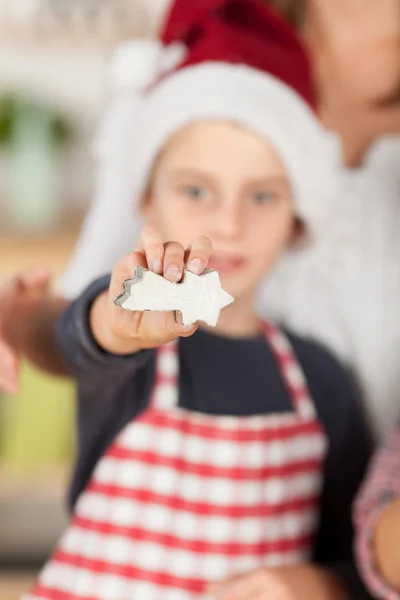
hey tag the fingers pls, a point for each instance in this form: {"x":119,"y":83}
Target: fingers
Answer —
{"x":28,"y":282}
{"x":173,"y":261}
{"x":151,"y":245}
{"x":169,"y":259}
{"x":198,"y":255}
{"x":36,"y":278}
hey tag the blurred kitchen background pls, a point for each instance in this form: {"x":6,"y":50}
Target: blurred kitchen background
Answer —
{"x":52,"y":58}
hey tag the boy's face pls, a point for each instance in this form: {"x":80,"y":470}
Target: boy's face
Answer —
{"x":222,"y":181}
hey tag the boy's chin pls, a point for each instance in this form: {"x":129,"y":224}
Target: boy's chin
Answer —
{"x":235,"y":284}
{"x":241,"y":285}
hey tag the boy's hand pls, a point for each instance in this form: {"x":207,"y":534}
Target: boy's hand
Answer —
{"x":20,"y":297}
{"x":123,"y":332}
{"x":292,"y":582}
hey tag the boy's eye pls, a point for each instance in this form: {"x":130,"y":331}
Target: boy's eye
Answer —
{"x":196,"y":192}
{"x":264,"y":196}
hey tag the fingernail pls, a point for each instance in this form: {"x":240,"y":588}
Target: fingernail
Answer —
{"x":174,"y":272}
{"x":157,"y":266}
{"x":196,"y":266}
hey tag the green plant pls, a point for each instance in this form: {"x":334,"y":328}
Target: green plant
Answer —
{"x":12,"y":106}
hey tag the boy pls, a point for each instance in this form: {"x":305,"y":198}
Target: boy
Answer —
{"x":211,"y":461}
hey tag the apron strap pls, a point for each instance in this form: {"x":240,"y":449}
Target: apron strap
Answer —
{"x":165,"y":392}
{"x":291,"y":371}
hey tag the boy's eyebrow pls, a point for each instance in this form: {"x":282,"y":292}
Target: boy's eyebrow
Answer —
{"x":191,"y":172}
{"x":267,"y":180}
{"x":271,"y":179}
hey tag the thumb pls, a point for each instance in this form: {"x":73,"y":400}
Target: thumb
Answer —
{"x":171,"y":326}
{"x":183,"y":330}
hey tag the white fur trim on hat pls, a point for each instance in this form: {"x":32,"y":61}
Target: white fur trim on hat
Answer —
{"x":253,"y":99}
{"x":133,"y":67}
{"x":138,"y":64}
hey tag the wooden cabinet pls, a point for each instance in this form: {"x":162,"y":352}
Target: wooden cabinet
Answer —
{"x":22,"y":252}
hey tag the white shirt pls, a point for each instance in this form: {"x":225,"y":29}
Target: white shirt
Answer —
{"x":345,"y":290}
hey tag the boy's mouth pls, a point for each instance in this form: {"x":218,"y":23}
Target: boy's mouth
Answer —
{"x":225,"y":264}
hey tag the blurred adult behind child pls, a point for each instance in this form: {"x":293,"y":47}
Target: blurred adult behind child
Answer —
{"x":344,"y":290}
{"x":341,"y":290}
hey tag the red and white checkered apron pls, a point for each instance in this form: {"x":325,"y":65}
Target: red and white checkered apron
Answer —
{"x":181,"y":498}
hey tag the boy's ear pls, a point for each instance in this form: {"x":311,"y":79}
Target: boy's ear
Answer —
{"x":299,"y":235}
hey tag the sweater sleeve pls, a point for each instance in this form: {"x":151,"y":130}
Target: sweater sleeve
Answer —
{"x":350,"y":447}
{"x":89,"y":364}
{"x":381,"y":487}
{"x":109,"y":387}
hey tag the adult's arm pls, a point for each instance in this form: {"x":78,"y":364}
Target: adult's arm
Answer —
{"x":40,"y":345}
{"x":347,"y":461}
{"x":28,"y":314}
{"x":95,"y":370}
{"x":377,"y":521}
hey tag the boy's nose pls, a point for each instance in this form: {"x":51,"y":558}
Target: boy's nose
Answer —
{"x":228,"y":222}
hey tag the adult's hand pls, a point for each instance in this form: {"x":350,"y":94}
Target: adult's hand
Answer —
{"x":290,"y":582}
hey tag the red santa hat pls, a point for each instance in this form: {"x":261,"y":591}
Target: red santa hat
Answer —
{"x":232,"y":60}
